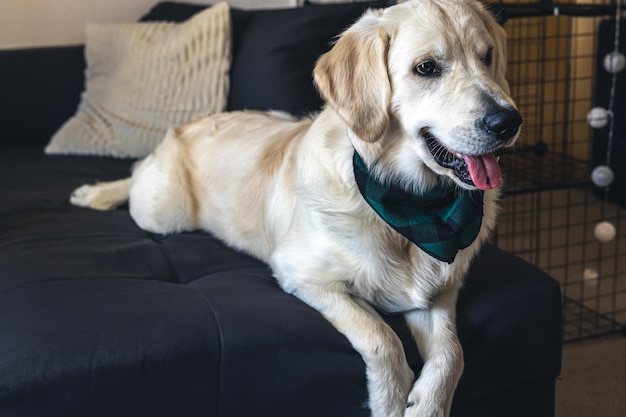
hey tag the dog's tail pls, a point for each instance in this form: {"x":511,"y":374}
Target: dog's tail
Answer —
{"x":103,"y":195}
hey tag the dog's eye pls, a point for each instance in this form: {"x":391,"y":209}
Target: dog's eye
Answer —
{"x":488,"y":59}
{"x":427,"y":69}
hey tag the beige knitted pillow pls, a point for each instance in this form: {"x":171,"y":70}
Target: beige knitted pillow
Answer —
{"x":143,"y":78}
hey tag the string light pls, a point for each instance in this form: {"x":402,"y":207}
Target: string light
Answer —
{"x":598,"y":118}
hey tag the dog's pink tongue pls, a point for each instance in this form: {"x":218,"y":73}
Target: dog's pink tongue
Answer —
{"x":484,"y":170}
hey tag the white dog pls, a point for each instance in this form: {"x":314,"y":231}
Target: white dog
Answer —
{"x":381,"y":200}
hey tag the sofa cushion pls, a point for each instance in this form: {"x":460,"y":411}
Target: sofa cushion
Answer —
{"x":100,"y":318}
{"x":40,"y":90}
{"x":143,"y":78}
{"x":274,"y":51}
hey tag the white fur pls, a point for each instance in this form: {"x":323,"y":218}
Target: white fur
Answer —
{"x":283,"y":190}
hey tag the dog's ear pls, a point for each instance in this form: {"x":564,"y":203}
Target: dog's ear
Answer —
{"x":353,"y":78}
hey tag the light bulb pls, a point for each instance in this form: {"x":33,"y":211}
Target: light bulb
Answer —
{"x":614,"y":62}
{"x":598,"y":117}
{"x":602,"y":176}
{"x":604,"y":232}
{"x":590,"y":276}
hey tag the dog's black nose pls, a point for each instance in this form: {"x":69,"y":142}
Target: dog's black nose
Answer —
{"x":503,"y":123}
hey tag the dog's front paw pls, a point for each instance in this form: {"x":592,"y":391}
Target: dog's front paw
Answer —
{"x":426,"y":400}
{"x":422,"y":407}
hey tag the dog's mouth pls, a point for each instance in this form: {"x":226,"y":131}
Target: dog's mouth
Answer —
{"x":480,"y":171}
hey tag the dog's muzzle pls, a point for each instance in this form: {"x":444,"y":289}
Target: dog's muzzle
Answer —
{"x":480,"y":170}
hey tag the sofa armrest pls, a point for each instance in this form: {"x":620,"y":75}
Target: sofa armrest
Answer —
{"x":41,"y":89}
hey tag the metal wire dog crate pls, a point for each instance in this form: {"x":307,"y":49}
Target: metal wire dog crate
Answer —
{"x":550,"y":207}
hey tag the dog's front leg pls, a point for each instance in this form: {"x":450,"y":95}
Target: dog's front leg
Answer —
{"x":434,"y":330}
{"x":389,"y":377}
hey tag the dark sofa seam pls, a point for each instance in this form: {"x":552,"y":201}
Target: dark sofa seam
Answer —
{"x":80,"y":279}
{"x":173,"y":272}
{"x":64,"y":238}
{"x":220,"y":335}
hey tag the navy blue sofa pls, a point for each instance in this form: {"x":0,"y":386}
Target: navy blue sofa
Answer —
{"x":100,"y":318}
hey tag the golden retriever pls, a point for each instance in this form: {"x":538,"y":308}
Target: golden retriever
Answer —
{"x":418,"y":92}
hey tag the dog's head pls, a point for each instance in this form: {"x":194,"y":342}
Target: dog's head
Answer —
{"x":432,"y":70}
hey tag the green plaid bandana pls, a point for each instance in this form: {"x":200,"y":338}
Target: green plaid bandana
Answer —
{"x":440,"y":222}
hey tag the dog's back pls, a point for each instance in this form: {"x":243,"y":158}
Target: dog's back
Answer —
{"x":218,"y":174}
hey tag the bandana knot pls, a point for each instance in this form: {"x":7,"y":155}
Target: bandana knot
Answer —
{"x":440,"y":221}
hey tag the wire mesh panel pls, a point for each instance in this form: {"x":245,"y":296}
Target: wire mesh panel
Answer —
{"x":550,"y":208}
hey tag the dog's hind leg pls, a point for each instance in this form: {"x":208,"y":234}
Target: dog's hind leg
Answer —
{"x":102,"y":196}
